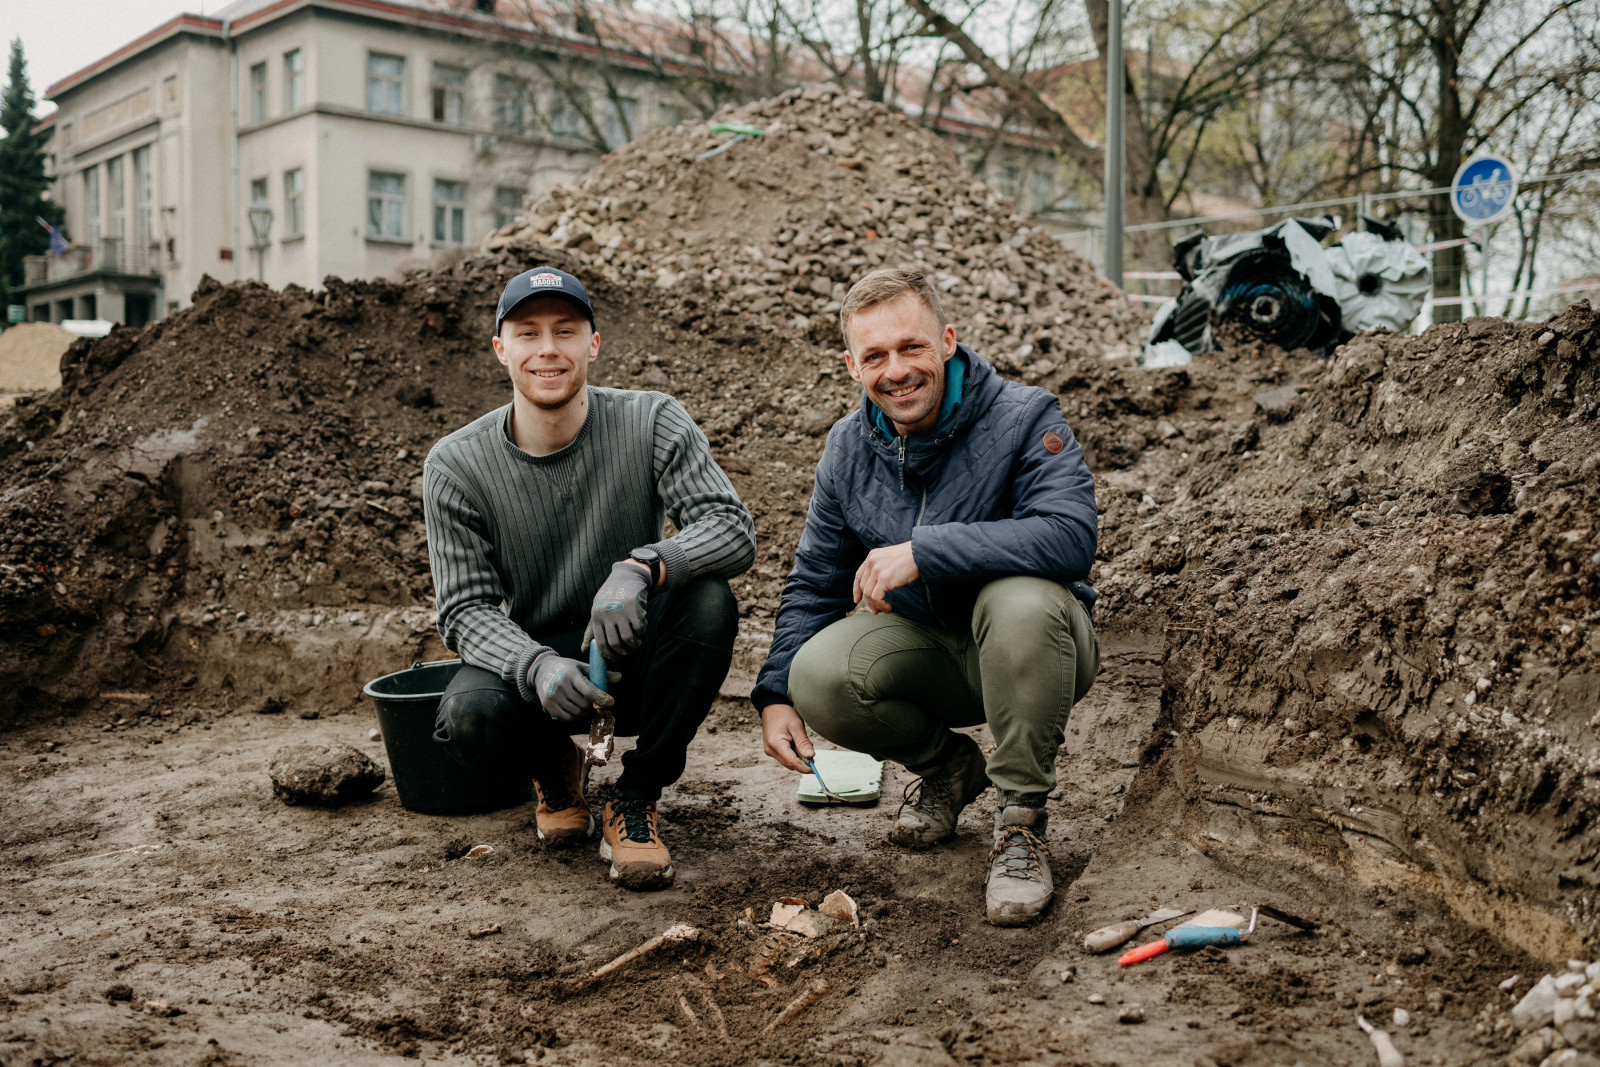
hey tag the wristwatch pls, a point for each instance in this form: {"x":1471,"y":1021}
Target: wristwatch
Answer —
{"x":650,"y":558}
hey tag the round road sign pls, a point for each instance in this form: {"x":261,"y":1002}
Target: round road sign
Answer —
{"x":1484,"y":190}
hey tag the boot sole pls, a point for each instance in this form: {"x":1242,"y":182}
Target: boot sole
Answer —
{"x":567,"y":837}
{"x":919,"y":845}
{"x":1016,"y":918}
{"x":637,"y":875}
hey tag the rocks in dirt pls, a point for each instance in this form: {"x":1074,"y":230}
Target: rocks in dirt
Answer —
{"x":771,"y":232}
{"x":1131,"y":1014}
{"x":322,"y":775}
{"x":265,"y":706}
{"x":1557,"y":1000}
{"x":120,"y":993}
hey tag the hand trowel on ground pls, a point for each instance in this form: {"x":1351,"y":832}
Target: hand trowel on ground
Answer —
{"x":1109,"y":937}
{"x":839,"y":777}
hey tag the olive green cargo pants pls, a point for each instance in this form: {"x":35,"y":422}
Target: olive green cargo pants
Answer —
{"x":894,"y":688}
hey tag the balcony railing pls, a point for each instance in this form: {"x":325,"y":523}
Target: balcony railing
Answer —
{"x":107,"y":253}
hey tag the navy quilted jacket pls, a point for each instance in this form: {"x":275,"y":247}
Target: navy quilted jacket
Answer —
{"x":1001,"y":490}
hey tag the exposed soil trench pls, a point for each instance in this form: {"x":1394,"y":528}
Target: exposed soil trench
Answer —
{"x":152,"y":854}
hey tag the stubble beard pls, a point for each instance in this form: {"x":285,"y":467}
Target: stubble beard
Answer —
{"x":577,"y":381}
{"x":933,"y":393}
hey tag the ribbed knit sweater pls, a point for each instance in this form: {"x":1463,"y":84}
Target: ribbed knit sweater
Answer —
{"x":520,"y":543}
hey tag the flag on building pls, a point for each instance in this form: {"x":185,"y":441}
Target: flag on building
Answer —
{"x":58,"y":240}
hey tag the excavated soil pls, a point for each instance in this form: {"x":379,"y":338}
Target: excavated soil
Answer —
{"x":1346,"y":609}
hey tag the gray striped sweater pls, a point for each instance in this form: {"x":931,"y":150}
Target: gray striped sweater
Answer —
{"x":519,"y":543}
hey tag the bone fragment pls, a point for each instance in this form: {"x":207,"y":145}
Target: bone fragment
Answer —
{"x":688,"y":1013}
{"x":815,"y":992}
{"x":492,"y":928}
{"x":1388,"y":1055}
{"x":674,"y":934}
{"x":713,"y":1010}
{"x":840,"y":906}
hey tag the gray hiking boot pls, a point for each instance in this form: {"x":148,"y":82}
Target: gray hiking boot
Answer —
{"x":934,"y":801}
{"x":1019,"y":867}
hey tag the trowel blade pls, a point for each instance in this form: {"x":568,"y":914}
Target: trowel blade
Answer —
{"x":1161,"y":916}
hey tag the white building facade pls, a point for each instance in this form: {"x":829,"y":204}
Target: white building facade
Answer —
{"x":295,"y":139}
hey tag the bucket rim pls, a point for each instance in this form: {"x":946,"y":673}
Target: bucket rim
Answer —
{"x":371,"y":694}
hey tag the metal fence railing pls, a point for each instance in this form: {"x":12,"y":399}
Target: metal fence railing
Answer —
{"x":1513,"y":269}
{"x":107,"y":253}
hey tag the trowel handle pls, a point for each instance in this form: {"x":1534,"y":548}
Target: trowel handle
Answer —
{"x":1200,"y":936}
{"x":1144,"y":952}
{"x":1109,"y":937}
{"x":597,"y":666}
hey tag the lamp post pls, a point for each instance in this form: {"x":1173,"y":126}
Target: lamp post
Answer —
{"x":1114,"y":116}
{"x":260,"y":226}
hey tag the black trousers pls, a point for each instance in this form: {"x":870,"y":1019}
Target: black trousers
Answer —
{"x":666,"y":689}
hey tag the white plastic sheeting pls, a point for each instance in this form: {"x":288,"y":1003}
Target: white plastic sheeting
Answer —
{"x":1378,"y":282}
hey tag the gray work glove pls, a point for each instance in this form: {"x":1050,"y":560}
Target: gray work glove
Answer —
{"x":563,"y":687}
{"x":616,"y":620}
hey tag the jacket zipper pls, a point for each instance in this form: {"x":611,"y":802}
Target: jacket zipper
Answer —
{"x":927,"y":594}
{"x":902,"y":461}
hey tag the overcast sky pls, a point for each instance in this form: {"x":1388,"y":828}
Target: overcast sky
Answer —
{"x":62,"y":36}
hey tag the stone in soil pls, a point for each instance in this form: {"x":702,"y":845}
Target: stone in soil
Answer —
{"x":323,"y":776}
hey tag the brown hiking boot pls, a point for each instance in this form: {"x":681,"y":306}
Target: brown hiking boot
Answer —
{"x":563,"y":814}
{"x":629,"y":840}
{"x":1020,"y":886}
{"x":934,"y":801}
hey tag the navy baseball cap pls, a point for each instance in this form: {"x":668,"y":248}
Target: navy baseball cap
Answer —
{"x":541,"y":281}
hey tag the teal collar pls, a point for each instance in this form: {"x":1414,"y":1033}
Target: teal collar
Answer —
{"x":955,"y":380}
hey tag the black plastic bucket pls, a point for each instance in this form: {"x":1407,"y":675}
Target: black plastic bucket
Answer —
{"x":426,"y":777}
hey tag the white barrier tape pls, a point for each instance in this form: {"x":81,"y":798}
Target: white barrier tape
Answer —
{"x":1457,"y":243}
{"x":1517,"y":294}
{"x":1148,"y":299}
{"x":1153,"y":275}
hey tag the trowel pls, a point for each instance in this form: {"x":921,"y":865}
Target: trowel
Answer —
{"x":1109,"y":937}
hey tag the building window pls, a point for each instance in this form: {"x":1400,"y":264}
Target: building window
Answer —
{"x":670,"y":114}
{"x":258,"y":92}
{"x":258,"y":192}
{"x":507,"y":205}
{"x":386,"y":205}
{"x":385,"y":82}
{"x":143,"y":221}
{"x":510,"y":104}
{"x":294,"y":80}
{"x":566,"y":121}
{"x":294,"y":202}
{"x":91,"y":202}
{"x":450,"y":212}
{"x":117,"y":195}
{"x":449,"y":94}
{"x":619,"y":120}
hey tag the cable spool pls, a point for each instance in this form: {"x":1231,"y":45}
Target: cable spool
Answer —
{"x":1268,"y":296}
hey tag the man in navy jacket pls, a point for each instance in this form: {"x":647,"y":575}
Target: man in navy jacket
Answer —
{"x":957,"y":508}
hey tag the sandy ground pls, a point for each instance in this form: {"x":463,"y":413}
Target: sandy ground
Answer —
{"x":147,"y":851}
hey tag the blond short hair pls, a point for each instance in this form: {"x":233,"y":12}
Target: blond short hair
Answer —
{"x":883,"y":285}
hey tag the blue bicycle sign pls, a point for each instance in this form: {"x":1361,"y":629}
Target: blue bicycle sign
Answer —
{"x":1484,"y":190}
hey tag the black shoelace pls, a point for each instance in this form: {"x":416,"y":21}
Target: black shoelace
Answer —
{"x":556,"y":796}
{"x":634,"y":816}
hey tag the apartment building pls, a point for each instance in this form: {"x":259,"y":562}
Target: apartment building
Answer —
{"x":288,"y":140}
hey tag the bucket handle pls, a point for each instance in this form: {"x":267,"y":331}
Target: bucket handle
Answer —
{"x":417,"y":663}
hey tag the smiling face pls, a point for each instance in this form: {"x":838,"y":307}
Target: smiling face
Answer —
{"x":897,"y":353}
{"x":546,"y":345}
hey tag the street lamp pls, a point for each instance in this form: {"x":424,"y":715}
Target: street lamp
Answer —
{"x":260,"y":226}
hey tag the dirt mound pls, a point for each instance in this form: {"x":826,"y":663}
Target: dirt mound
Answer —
{"x":774,"y":228}
{"x":1377,"y":577}
{"x":30,"y":357}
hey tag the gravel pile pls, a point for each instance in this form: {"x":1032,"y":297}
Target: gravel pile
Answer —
{"x":776,"y":227}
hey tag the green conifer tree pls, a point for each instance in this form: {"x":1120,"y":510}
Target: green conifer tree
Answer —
{"x":23,"y":183}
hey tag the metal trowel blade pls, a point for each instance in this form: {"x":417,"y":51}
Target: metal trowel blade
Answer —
{"x":1161,"y":916}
